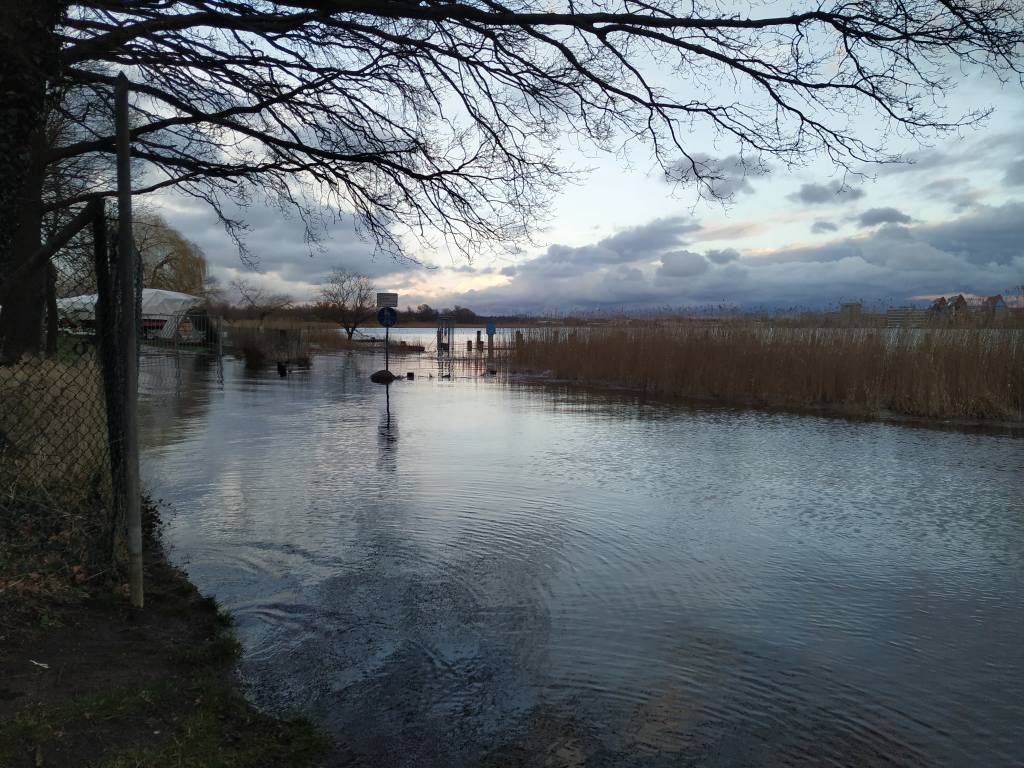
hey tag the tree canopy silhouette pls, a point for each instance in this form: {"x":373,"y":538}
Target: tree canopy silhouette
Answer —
{"x":430,"y":119}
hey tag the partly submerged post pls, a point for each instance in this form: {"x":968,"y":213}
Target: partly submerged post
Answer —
{"x":490,"y":347}
{"x":386,"y":316}
{"x":128,"y":339}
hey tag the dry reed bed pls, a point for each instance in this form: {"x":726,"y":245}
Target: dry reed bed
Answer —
{"x":970,"y":374}
{"x":283,"y":341}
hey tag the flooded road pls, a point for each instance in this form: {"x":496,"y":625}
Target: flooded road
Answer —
{"x":480,"y":574}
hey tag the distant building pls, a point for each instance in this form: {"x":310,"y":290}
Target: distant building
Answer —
{"x":956,"y":305}
{"x":906,"y":317}
{"x":850,"y":312}
{"x":994,"y":305}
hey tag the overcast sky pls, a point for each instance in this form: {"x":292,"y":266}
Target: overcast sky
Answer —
{"x":949,"y":221}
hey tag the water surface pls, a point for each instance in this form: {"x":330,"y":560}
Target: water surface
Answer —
{"x":462,"y":572}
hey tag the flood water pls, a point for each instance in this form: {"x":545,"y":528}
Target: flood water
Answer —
{"x":477,"y":573}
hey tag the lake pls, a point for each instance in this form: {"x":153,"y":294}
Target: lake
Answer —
{"x":465,"y":571}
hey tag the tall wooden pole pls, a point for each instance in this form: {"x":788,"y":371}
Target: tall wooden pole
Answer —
{"x":128,"y":337}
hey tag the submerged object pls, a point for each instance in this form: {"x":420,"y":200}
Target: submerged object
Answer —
{"x":382,"y":377}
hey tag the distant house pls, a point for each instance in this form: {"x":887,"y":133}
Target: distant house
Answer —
{"x":994,"y":305}
{"x":956,"y":305}
{"x":938,"y":306}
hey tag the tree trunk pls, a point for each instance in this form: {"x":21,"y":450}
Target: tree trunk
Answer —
{"x":29,"y":59}
{"x":21,"y":315}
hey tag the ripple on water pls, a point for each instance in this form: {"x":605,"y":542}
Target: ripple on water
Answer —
{"x":505,"y":577}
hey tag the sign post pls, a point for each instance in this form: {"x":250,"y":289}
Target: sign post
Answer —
{"x":387,"y":317}
{"x":490,"y":346}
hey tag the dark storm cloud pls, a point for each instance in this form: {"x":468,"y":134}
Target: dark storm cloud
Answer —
{"x":874,"y":216}
{"x":821,"y":225}
{"x":823,"y":194}
{"x":981,"y":252}
{"x":727,"y":176}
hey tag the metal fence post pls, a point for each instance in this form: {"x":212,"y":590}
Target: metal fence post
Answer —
{"x":128,"y":337}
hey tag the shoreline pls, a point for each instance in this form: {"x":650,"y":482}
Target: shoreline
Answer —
{"x":962,"y":425}
{"x":91,"y":683}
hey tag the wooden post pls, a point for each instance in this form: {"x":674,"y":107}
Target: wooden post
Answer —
{"x":51,"y":310}
{"x":106,"y":340}
{"x":128,"y":338}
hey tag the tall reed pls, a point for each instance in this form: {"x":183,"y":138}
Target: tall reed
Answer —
{"x":937,"y":373}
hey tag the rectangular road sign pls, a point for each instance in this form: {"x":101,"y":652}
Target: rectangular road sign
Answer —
{"x":387,"y":300}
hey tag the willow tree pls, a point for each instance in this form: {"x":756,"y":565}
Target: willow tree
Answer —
{"x":430,"y":119}
{"x":169,"y":259}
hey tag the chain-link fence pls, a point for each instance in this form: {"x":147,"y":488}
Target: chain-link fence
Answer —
{"x":64,"y":428}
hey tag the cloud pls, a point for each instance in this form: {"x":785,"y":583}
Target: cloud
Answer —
{"x":726,"y":176}
{"x":820,"y":225}
{"x":509,"y":271}
{"x":632,"y":243}
{"x":287,"y":261}
{"x":985,"y":151}
{"x":980,"y":252}
{"x":723,"y":256}
{"x":1014,"y":176}
{"x":682,"y":264}
{"x":875,"y":216}
{"x":821,"y":194}
{"x":955,"y":191}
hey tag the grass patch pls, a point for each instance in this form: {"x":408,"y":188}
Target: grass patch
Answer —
{"x":88,"y":682}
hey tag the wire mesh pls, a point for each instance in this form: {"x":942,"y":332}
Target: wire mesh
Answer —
{"x":56,"y":494}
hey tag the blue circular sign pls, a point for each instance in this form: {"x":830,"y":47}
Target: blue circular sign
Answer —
{"x":490,"y":328}
{"x":387,"y":316}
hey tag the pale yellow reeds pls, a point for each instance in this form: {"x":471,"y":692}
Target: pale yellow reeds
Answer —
{"x":936,"y":373}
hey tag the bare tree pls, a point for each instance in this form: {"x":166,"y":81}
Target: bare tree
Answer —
{"x":261,"y":302}
{"x":169,"y":260}
{"x":427,"y":118}
{"x":347,"y":299}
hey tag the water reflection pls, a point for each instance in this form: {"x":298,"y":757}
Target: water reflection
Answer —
{"x":540,"y":577}
{"x":387,"y":436}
